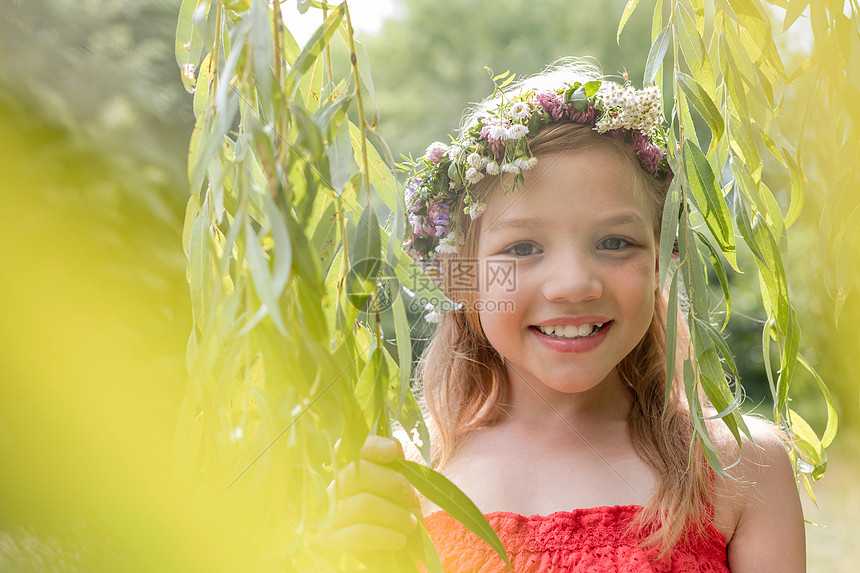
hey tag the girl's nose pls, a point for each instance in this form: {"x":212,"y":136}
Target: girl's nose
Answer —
{"x":573,"y":278}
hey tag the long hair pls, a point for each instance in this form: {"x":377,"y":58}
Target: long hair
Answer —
{"x":463,"y":380}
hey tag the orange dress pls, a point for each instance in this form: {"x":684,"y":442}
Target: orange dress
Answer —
{"x":583,"y":540}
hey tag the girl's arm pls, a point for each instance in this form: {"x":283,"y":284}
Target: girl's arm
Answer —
{"x":770,"y":534}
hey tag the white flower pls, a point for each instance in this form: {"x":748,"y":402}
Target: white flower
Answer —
{"x":508,"y":168}
{"x":522,"y":163}
{"x":473,"y":175}
{"x":517,"y":131}
{"x":627,"y":108}
{"x":435,"y":151}
{"x":493,"y":168}
{"x":532,"y":161}
{"x":520,"y":110}
{"x":434,"y":317}
{"x":474,"y":160}
{"x":498,"y":132}
{"x":456,"y":153}
{"x":475,"y":209}
{"x":448,"y":244}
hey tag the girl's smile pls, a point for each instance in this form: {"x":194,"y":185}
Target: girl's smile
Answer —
{"x":581,"y":235}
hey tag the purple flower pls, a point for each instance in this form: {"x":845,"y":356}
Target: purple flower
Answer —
{"x":551,"y":103}
{"x":496,"y":144}
{"x":586,"y":118}
{"x":438,"y":219}
{"x":650,"y":155}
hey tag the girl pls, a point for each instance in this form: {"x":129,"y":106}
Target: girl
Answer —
{"x":545,"y":390}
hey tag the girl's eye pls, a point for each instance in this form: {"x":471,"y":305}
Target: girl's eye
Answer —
{"x":523,"y":249}
{"x":614,"y":244}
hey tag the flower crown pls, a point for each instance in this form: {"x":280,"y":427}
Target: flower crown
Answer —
{"x":497,"y":143}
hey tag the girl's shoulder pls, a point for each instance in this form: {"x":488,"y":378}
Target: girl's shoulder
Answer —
{"x":758,"y":504}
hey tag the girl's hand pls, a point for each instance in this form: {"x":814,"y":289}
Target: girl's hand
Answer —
{"x":375,"y":506}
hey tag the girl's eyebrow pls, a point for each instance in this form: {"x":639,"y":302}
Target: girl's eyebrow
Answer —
{"x":529,"y":223}
{"x":532,"y":223}
{"x":624,"y":219}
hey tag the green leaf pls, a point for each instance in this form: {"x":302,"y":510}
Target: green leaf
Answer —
{"x":655,"y":56}
{"x":404,"y":345}
{"x":200,"y":260}
{"x":757,"y":25}
{"x":797,"y":190}
{"x":261,"y":277}
{"x":671,"y":337}
{"x":413,"y":278}
{"x":438,"y":489}
{"x":365,"y":246}
{"x":381,"y":177}
{"x":712,"y":454}
{"x":657,"y":20}
{"x":189,"y":40}
{"x":704,"y":105}
{"x":591,"y":88}
{"x":669,"y":226}
{"x":342,"y":162}
{"x":262,"y":53}
{"x":628,"y":10}
{"x":309,"y":136}
{"x":508,"y":81}
{"x":766,"y":336}
{"x":793,"y":12}
{"x":717,"y":264}
{"x":426,"y":553}
{"x":805,"y":440}
{"x":693,"y":49}
{"x":203,"y":89}
{"x":709,"y":197}
{"x":314,"y":47}
{"x":772,"y":271}
{"x":832,"y":418}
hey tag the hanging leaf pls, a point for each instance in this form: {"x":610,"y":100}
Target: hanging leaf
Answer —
{"x":709,"y":197}
{"x":704,"y":105}
{"x":628,"y":10}
{"x":189,"y":40}
{"x":792,"y":12}
{"x":693,"y":49}
{"x":717,"y":265}
{"x":314,"y":47}
{"x":671,"y":337}
{"x":797,"y":191}
{"x":655,"y":57}
{"x":438,"y":489}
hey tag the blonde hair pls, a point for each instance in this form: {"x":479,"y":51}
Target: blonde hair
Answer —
{"x":463,"y":380}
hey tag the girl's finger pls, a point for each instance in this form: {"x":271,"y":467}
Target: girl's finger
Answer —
{"x":366,"y":537}
{"x":365,"y":476}
{"x":381,"y":450}
{"x":371,"y":509}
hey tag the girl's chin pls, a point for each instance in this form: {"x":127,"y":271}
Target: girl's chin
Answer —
{"x":564,"y":380}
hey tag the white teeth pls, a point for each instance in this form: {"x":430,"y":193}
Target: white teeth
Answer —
{"x":569,"y":331}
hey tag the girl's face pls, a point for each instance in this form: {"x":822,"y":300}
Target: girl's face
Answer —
{"x":578,"y":239}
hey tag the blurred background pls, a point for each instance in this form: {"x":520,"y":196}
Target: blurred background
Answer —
{"x":94,"y":310}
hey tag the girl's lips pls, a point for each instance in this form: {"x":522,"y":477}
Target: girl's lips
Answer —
{"x":577,"y":345}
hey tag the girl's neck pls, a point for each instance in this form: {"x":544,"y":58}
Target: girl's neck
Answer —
{"x":536,"y":408}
